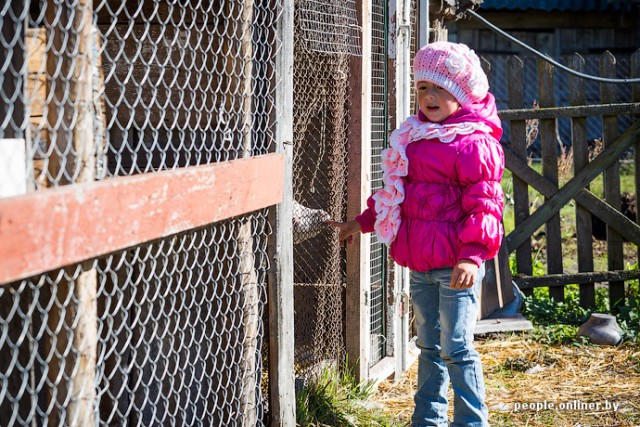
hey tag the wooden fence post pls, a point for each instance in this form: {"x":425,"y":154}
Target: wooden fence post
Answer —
{"x":549,"y":145}
{"x":515,"y":83}
{"x":615,"y":255}
{"x":580,"y":161}
{"x":635,"y":97}
{"x":70,"y":73}
{"x":281,"y":324}
{"x":248,"y":275}
{"x":357,"y":334}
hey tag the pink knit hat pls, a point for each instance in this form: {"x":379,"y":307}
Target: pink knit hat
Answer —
{"x":454,"y":67}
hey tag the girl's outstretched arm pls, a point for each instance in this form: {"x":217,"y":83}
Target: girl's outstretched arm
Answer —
{"x":347,"y":229}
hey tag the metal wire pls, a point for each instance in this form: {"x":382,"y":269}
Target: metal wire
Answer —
{"x":498,"y":79}
{"x":329,"y":26}
{"x":378,"y":254}
{"x":547,"y":58}
{"x":321,"y":105}
{"x":174,"y":333}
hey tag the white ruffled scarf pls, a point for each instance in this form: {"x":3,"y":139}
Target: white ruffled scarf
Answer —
{"x":395,"y":166}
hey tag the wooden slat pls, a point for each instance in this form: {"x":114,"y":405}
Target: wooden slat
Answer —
{"x":507,"y":324}
{"x":571,"y":188}
{"x":529,"y":19}
{"x":357,"y":337}
{"x":572,"y":111}
{"x":519,"y":145}
{"x":530,"y":282}
{"x":615,"y":254}
{"x":549,"y":150}
{"x":53,"y":228}
{"x":251,"y":349}
{"x":282,"y":408}
{"x":580,"y":161}
{"x":635,"y":97}
{"x":586,"y":199}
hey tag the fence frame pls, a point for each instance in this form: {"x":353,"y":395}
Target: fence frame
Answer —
{"x":90,"y":219}
{"x":281,"y":318}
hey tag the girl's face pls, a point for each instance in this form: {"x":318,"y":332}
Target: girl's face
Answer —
{"x":435,"y":102}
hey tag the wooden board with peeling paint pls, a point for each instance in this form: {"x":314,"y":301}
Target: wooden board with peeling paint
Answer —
{"x":85,"y":221}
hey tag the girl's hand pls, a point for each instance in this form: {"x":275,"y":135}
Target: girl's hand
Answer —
{"x":464,"y":274}
{"x":347,"y":229}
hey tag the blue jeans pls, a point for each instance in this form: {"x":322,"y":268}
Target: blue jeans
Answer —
{"x":445,"y":319}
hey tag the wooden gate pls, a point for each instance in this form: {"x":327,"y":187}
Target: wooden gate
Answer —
{"x":615,"y":143}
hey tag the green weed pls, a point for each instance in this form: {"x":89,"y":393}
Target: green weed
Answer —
{"x":335,"y":398}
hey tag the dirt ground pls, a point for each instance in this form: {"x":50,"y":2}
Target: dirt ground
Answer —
{"x":529,"y":384}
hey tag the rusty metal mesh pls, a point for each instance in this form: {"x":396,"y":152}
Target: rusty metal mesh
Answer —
{"x":168,"y":332}
{"x":321,"y":118}
{"x":329,"y":26}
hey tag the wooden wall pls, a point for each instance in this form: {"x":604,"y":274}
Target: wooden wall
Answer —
{"x":554,"y":33}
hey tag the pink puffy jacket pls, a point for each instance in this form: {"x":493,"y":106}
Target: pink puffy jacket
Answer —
{"x":442,"y":200}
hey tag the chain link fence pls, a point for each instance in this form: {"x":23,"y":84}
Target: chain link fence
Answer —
{"x":326,"y":35}
{"x":169,"y":332}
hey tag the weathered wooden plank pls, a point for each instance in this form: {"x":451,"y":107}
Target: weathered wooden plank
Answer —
{"x":572,"y":187}
{"x":580,"y":161}
{"x":615,"y":254}
{"x":71,"y":113}
{"x":549,"y":149}
{"x":281,"y":319}
{"x":85,"y":336}
{"x":496,"y":286}
{"x":357,"y":338}
{"x":36,"y":92}
{"x":85,"y":221}
{"x":571,"y":111}
{"x":522,"y":20}
{"x":560,"y":280}
{"x":514,"y":323}
{"x":519,"y":145}
{"x":497,"y":290}
{"x":249,"y":400}
{"x":635,"y":97}
{"x":403,"y":84}
{"x":587,"y":200}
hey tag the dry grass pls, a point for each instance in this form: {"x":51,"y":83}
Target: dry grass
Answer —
{"x":519,"y":370}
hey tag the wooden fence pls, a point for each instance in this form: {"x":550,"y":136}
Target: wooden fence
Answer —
{"x":587,"y":165}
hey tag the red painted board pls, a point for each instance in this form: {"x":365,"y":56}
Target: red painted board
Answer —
{"x":53,"y":228}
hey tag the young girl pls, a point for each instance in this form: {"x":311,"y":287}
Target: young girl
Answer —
{"x":440,"y":212}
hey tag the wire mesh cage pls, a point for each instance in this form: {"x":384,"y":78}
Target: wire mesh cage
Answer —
{"x":329,"y":26}
{"x":164,"y":333}
{"x":321,"y":118}
{"x":177,"y":340}
{"x":379,"y":92}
